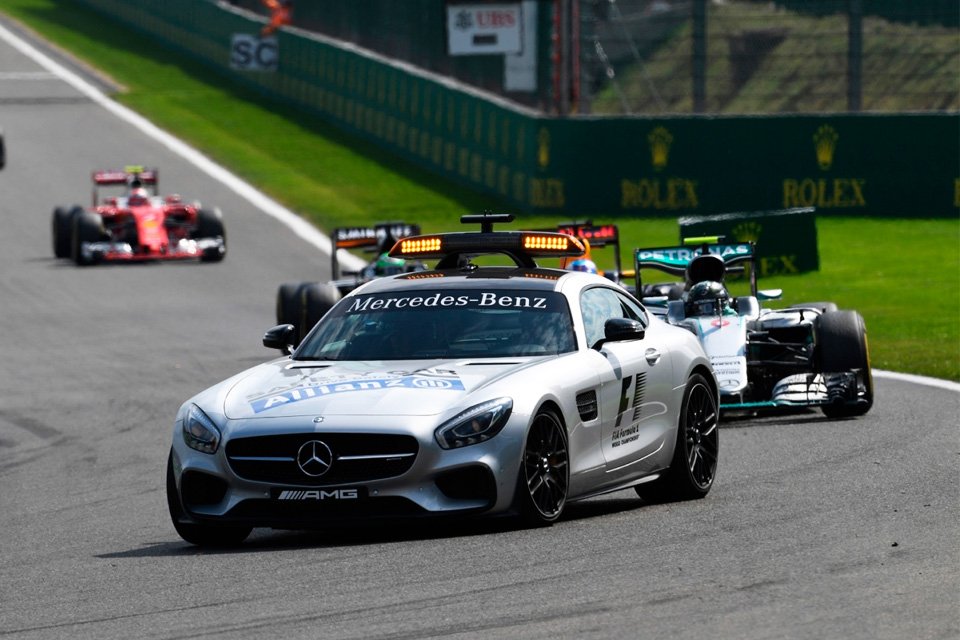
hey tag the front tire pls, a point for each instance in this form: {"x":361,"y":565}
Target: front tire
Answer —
{"x":694,"y":464}
{"x":210,"y":225}
{"x":87,"y":227}
{"x":842,"y":347}
{"x":544,"y":477}
{"x":63,"y":230}
{"x":199,"y":534}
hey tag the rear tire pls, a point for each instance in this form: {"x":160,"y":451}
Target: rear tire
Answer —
{"x":63,"y":230}
{"x":87,"y":227}
{"x":210,"y":225}
{"x":544,"y":477}
{"x":842,"y":346}
{"x":318,"y":298}
{"x":694,"y":464}
{"x":290,"y":303}
{"x":199,"y":534}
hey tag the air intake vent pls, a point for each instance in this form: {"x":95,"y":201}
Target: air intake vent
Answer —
{"x":587,"y":405}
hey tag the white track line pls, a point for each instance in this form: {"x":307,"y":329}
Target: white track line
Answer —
{"x":909,"y":377}
{"x":271,"y":207}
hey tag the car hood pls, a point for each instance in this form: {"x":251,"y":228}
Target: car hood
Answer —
{"x":286,"y":388}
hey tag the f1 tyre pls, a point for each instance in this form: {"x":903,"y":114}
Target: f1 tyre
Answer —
{"x":63,"y":230}
{"x":842,"y":347}
{"x":87,"y":227}
{"x":318,"y":298}
{"x":210,"y":225}
{"x":290,"y":303}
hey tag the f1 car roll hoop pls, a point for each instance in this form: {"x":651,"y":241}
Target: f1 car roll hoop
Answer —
{"x":454,"y":250}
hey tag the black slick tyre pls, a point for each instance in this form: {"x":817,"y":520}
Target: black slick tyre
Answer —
{"x":63,"y":230}
{"x":210,"y":225}
{"x":318,"y":298}
{"x":87,"y":227}
{"x":290,"y":303}
{"x":544,"y":477}
{"x":842,"y":347}
{"x":694,"y":464}
{"x":199,"y":534}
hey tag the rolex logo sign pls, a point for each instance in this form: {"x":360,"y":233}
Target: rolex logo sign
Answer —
{"x":825,"y":143}
{"x":660,"y":141}
{"x":748,"y":231}
{"x":543,"y":148}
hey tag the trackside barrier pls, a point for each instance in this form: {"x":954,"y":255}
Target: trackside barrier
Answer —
{"x":841,"y":164}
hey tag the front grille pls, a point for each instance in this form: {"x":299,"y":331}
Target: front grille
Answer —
{"x":357,"y":457}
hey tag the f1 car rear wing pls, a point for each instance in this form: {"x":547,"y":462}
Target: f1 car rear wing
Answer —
{"x":131,"y":175}
{"x":677,"y":260}
{"x":379,"y":238}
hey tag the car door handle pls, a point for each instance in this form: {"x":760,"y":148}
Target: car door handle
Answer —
{"x":652,"y":356}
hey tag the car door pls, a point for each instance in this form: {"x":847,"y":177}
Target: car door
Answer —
{"x":635,"y":384}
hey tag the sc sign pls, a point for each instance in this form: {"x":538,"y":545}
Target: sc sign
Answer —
{"x":252,"y":53}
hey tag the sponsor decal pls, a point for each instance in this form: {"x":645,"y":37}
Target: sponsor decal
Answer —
{"x":475,"y":300}
{"x":327,"y":387}
{"x":319,"y":495}
{"x":680,"y":256}
{"x":730,"y":370}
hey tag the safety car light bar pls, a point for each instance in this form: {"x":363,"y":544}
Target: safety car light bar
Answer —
{"x":522,"y":246}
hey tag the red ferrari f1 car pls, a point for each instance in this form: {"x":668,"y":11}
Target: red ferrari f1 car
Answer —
{"x":137,"y":226}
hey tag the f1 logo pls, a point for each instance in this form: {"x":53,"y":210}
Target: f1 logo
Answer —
{"x":252,"y":53}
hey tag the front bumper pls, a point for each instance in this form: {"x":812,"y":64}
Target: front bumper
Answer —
{"x":234,"y":487}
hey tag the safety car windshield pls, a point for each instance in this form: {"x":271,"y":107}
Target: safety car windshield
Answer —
{"x":448,"y":323}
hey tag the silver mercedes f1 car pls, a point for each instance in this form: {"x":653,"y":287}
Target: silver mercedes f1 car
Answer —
{"x":806,"y":355}
{"x":460,"y":390}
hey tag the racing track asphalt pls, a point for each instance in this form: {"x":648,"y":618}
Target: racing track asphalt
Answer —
{"x":814,"y":529}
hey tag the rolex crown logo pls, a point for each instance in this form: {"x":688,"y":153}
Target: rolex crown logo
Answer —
{"x":825,"y":143}
{"x":747,"y":231}
{"x":543,"y":148}
{"x":660,"y":141}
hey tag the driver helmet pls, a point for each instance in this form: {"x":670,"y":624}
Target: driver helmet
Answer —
{"x":583,"y":264}
{"x":138,"y":196}
{"x":707,"y":298}
{"x":387,"y":266}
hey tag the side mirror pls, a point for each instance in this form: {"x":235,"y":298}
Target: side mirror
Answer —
{"x":282,"y":337}
{"x":619,"y":330}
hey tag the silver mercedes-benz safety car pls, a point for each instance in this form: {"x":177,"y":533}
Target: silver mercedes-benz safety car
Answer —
{"x":461,"y":390}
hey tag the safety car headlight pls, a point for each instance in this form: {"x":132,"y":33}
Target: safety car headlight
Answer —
{"x":477,"y":424}
{"x":199,"y":432}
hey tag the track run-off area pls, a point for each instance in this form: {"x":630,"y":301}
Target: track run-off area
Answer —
{"x":814,"y":529}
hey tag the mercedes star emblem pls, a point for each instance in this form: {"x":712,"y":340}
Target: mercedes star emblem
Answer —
{"x":315,"y":458}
